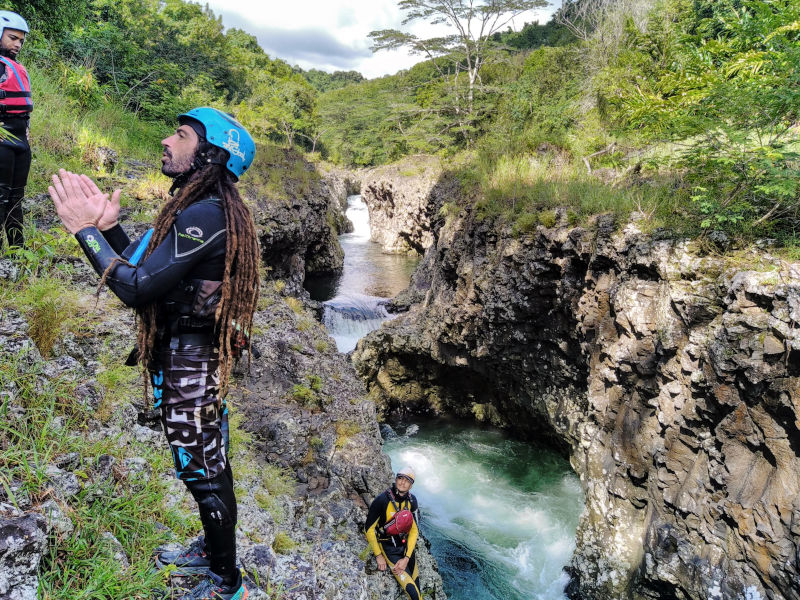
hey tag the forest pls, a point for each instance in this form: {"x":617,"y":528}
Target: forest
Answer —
{"x":685,"y":111}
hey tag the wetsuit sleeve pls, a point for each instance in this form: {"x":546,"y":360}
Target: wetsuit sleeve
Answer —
{"x":117,"y":238}
{"x":377,"y":513}
{"x":197,"y":234}
{"x":413,"y":533}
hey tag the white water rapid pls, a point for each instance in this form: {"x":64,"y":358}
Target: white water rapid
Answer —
{"x":500,"y":515}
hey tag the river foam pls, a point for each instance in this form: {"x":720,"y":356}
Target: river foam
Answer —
{"x":500,"y":515}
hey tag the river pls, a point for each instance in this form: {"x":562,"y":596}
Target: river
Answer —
{"x":354,"y":300}
{"x":500,"y":514}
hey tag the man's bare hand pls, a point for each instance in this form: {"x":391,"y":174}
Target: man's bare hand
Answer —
{"x":381,"y":562}
{"x":76,"y":209}
{"x":111,"y":214}
{"x":400,"y":565}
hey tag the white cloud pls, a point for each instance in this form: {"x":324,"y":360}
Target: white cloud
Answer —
{"x":329,"y":35}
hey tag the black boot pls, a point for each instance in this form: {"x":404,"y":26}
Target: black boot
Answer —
{"x":217,"y":503}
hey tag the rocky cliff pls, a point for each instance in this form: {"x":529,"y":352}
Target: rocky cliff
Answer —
{"x":306,"y":454}
{"x":670,"y":376}
{"x":398,"y":197}
{"x":85,"y":474}
{"x":299,"y":216}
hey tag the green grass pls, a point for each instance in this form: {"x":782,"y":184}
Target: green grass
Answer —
{"x":283,"y":544}
{"x":295,"y":304}
{"x":274,"y":482}
{"x":63,"y":134}
{"x":525,"y":190}
{"x":280,"y":173}
{"x":277,"y":480}
{"x":48,"y":306}
{"x":345,"y":430}
{"x":129,"y":506}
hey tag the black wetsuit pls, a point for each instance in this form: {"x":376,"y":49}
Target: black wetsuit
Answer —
{"x":395,"y":547}
{"x":15,"y":164}
{"x":183,"y":276}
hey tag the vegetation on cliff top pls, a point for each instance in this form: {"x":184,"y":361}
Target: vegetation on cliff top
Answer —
{"x":684,"y":110}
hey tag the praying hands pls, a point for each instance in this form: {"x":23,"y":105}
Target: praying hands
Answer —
{"x":80,"y":203}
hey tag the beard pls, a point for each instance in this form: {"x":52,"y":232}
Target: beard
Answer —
{"x":173,"y":167}
{"x":8,"y":53}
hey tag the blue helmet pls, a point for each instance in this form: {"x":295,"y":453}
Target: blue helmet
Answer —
{"x":225,"y":132}
{"x":11,"y":20}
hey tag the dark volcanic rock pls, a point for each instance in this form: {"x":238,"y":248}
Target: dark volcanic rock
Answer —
{"x":23,"y":541}
{"x":298,"y":224}
{"x":671,"y":379}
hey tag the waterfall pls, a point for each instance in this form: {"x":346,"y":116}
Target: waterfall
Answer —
{"x":368,"y":280}
{"x":349,"y":317}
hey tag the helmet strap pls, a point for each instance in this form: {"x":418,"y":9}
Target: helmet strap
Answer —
{"x":180,"y":180}
{"x":204,"y":155}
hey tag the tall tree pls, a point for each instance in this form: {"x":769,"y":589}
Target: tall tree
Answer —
{"x":473,"y":23}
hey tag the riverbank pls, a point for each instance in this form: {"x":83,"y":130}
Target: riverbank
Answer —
{"x":87,"y":489}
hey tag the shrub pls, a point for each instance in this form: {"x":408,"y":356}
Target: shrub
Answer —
{"x":283,"y":544}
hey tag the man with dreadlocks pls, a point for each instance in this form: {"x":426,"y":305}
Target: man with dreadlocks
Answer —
{"x":193,"y":280}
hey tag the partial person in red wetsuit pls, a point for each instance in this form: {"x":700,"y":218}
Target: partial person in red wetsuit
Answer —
{"x":15,"y":108}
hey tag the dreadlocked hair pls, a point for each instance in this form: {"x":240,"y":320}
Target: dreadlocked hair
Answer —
{"x":240,"y":282}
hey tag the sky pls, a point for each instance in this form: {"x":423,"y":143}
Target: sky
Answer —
{"x":331,"y":35}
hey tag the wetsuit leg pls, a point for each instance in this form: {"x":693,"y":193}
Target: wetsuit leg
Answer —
{"x":408,"y":579}
{"x":15,"y":163}
{"x":14,"y":218}
{"x":217,"y":505}
{"x":7,"y":159}
{"x":185,"y":388}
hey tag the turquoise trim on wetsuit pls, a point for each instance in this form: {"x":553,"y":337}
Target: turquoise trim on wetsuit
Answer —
{"x":140,"y":249}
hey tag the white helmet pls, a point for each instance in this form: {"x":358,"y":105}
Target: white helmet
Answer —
{"x":11,"y":20}
{"x":407,"y":472}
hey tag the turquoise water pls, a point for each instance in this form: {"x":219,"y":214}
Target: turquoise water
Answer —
{"x":500,"y":514}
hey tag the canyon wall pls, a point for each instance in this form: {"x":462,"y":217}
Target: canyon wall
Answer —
{"x":399,"y":200}
{"x":670,"y":377}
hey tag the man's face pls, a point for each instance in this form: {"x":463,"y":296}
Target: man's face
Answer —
{"x":11,"y":42}
{"x":179,"y":149}
{"x":403,"y":484}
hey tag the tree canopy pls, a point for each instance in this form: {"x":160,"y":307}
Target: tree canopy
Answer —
{"x":465,"y":51}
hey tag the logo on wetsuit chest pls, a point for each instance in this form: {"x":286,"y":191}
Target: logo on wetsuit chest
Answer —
{"x":193,"y":233}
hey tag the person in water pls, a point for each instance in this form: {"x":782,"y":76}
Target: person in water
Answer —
{"x":193,"y":280}
{"x":15,"y":109}
{"x":392,"y":532}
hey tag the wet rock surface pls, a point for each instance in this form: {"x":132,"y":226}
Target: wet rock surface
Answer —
{"x":670,"y":378}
